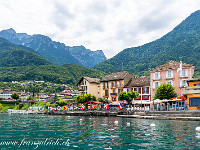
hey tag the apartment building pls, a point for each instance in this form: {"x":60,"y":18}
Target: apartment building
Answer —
{"x":167,"y":73}
{"x":114,"y":83}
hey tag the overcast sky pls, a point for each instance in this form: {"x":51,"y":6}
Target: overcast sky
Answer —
{"x":109,"y":25}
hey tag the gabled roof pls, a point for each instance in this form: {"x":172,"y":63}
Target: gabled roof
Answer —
{"x":91,"y":80}
{"x":115,"y":76}
{"x":171,"y":65}
{"x":139,"y":82}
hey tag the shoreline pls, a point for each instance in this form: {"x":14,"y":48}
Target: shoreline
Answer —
{"x":164,"y":116}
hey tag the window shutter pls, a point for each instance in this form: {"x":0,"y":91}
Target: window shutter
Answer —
{"x":147,"y":90}
{"x":172,"y":74}
{"x":154,"y":85}
{"x":166,"y":74}
{"x":158,"y":75}
{"x":181,"y":83}
{"x":154,"y":76}
{"x":140,"y":90}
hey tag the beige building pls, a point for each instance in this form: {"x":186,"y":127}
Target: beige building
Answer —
{"x":113,"y":83}
{"x":89,"y":85}
{"x":167,"y":73}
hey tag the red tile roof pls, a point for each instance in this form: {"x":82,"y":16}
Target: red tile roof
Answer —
{"x":171,"y":65}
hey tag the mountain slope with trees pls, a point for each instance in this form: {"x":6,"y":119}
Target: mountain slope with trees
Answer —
{"x":183,"y":41}
{"x":56,"y":52}
{"x":68,"y":74}
{"x":12,"y":55}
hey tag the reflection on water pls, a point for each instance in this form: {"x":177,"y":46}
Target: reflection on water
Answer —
{"x":97,"y":132}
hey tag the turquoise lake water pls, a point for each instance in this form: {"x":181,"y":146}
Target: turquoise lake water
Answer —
{"x":78,"y":132}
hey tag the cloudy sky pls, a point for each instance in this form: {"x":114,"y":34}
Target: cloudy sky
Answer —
{"x":109,"y":25}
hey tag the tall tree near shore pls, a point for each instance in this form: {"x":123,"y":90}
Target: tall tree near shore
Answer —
{"x":165,"y":91}
{"x":128,"y":96}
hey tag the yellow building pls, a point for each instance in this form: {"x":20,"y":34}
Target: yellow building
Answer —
{"x":89,"y":85}
{"x":113,"y":83}
{"x":193,"y":94}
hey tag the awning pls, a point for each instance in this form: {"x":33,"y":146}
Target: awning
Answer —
{"x":93,"y":102}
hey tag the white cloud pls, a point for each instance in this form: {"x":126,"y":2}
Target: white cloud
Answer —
{"x":110,"y":25}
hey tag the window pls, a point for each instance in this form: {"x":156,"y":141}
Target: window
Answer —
{"x":120,"y":90}
{"x":145,"y":90}
{"x":130,"y":90}
{"x":169,"y":74}
{"x":138,"y":90}
{"x":145,"y":97}
{"x":194,"y":101}
{"x":85,"y":82}
{"x":113,"y":91}
{"x":106,"y":92}
{"x":120,"y":83}
{"x":183,"y":83}
{"x":157,"y":75}
{"x":106,"y":85}
{"x":113,"y":84}
{"x":156,"y":84}
{"x":183,"y":73}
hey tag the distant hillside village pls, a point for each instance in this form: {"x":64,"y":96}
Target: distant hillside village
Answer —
{"x":34,"y":88}
{"x":112,"y":84}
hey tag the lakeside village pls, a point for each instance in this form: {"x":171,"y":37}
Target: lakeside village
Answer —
{"x":118,"y":92}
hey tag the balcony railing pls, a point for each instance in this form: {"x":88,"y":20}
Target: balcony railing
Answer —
{"x":190,"y":90}
{"x":159,"y":78}
{"x":113,"y":93}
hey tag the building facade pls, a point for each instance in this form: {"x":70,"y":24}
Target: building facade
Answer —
{"x":114,"y":83}
{"x":142,"y":86}
{"x":192,"y":92}
{"x":89,"y":85}
{"x":168,"y":73}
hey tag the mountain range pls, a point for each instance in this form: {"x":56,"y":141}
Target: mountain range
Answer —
{"x":183,"y":42}
{"x":56,"y":52}
{"x":19,"y":63}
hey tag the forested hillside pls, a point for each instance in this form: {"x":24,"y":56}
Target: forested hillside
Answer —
{"x":68,"y":74}
{"x":183,"y":41}
{"x":12,"y":55}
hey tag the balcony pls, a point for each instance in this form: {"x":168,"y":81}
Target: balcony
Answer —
{"x":169,"y":78}
{"x":191,"y":90}
{"x":158,"y":78}
{"x":113,"y":94}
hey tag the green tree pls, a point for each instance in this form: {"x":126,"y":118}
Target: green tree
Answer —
{"x":103,"y":100}
{"x":128,"y":96}
{"x":1,"y":106}
{"x":165,"y":91}
{"x":85,"y":98}
{"x":15,"y":96}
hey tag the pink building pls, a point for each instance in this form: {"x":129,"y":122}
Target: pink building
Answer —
{"x":168,"y":73}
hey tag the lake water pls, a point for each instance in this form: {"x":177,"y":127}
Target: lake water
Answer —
{"x":78,"y":132}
